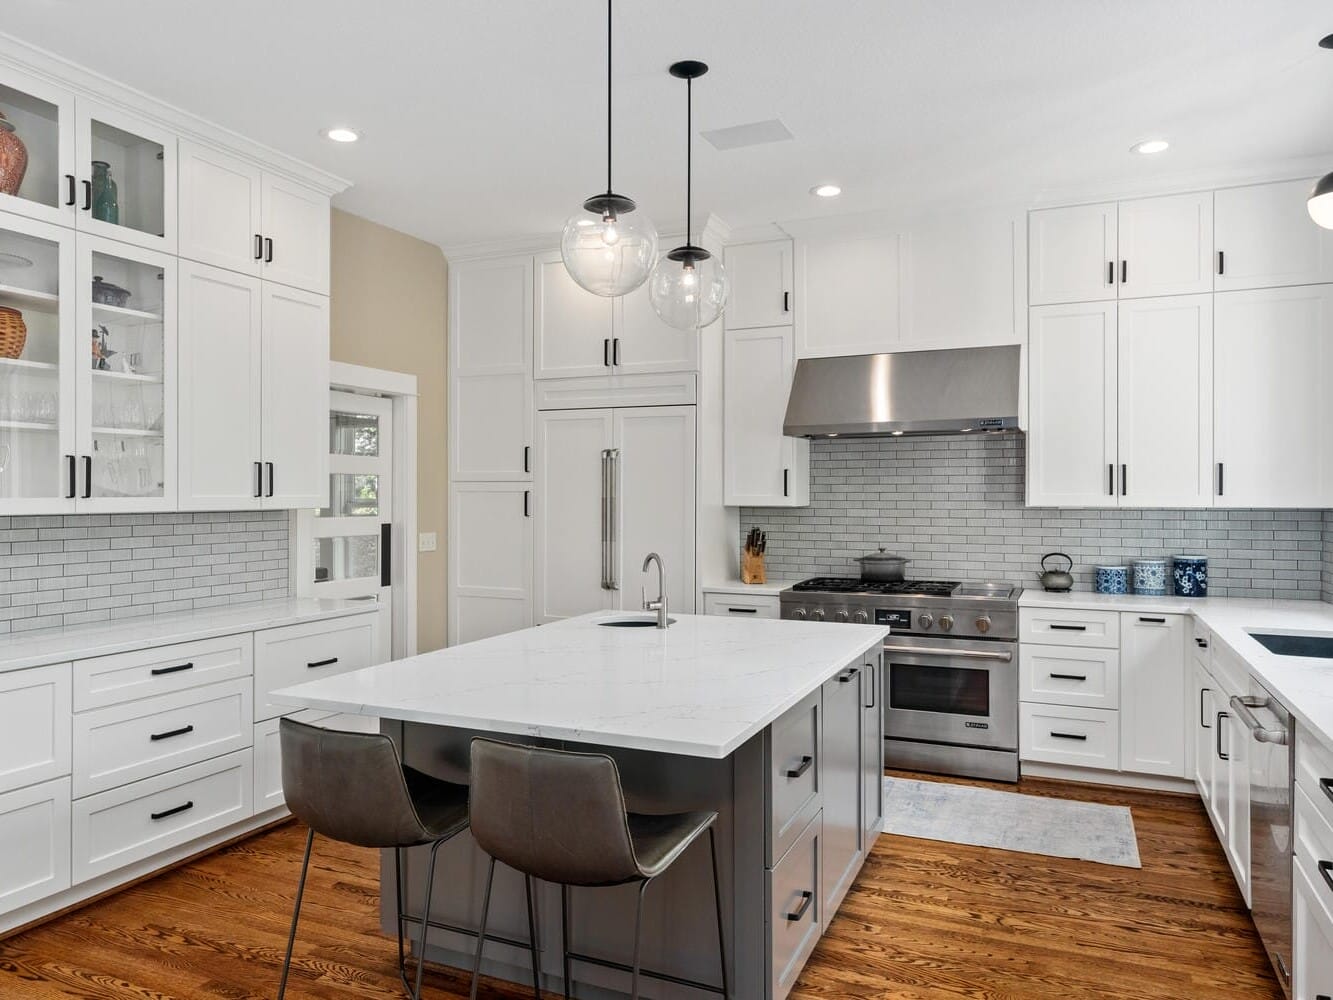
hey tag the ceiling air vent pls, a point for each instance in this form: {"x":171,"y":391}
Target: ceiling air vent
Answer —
{"x":750,"y":134}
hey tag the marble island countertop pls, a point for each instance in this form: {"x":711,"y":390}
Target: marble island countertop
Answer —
{"x":701,"y":688}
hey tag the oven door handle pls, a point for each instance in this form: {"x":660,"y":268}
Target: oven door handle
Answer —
{"x":970,"y":654}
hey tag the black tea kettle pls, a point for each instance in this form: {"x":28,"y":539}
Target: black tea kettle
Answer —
{"x":1057,"y":581}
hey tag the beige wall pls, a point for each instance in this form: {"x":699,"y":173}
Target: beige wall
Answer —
{"x":388,"y":311}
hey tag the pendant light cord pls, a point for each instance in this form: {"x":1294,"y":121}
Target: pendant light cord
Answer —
{"x":689,"y":156}
{"x":608,"y":96}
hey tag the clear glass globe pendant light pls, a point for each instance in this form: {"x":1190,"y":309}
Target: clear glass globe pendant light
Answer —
{"x":608,"y":247}
{"x":1320,"y":203}
{"x":688,"y":288}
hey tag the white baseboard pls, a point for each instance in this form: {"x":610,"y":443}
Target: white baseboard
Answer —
{"x":1119,"y":779}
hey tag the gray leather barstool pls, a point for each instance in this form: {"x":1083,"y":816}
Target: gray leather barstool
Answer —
{"x":354,"y":788}
{"x":561,"y":817}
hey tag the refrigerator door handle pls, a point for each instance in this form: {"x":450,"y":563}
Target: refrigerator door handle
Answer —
{"x":612,"y":516}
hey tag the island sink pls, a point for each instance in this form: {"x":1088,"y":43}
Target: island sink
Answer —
{"x":1290,"y":644}
{"x":633,"y":622}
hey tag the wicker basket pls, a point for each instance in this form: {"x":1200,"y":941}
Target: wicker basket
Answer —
{"x":13,"y":332}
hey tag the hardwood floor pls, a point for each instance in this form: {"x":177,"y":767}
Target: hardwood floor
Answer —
{"x":925,"y":921}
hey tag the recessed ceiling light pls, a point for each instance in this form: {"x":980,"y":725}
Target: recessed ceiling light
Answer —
{"x":826,"y":190}
{"x":1150,"y":146}
{"x":341,"y":133}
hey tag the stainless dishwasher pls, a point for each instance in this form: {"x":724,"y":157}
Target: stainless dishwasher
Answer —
{"x":1270,"y":725}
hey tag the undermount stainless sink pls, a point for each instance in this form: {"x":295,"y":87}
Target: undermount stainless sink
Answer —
{"x":1320,"y":646}
{"x":635,"y":621}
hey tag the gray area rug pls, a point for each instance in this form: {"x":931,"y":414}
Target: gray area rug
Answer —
{"x":961,"y":814}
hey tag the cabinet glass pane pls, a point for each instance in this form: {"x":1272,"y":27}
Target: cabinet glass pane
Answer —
{"x":29,"y":147}
{"x":30,"y":460}
{"x":353,"y":433}
{"x":128,"y":180}
{"x":352,"y":495}
{"x":347,"y":557}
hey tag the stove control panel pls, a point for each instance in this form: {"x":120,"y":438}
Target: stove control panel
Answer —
{"x":894,"y":619}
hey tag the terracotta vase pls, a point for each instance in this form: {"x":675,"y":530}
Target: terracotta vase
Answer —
{"x":13,"y":158}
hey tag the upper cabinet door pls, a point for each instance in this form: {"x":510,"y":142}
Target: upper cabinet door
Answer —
{"x":296,"y":234}
{"x":296,"y":397}
{"x":1273,"y":362}
{"x":761,"y":285}
{"x":37,"y":162}
{"x":127,"y":177}
{"x":1166,"y":245}
{"x":761,"y":466}
{"x":1072,"y":254}
{"x":847,"y":298}
{"x":643,"y":344}
{"x":1265,"y":237}
{"x":1166,"y":402}
{"x":574,"y":327}
{"x":1072,"y":406}
{"x":219,"y":209}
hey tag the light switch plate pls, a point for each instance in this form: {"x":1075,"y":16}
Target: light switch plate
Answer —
{"x":426,"y":542}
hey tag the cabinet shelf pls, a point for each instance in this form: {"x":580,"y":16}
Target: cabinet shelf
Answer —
{"x":126,"y":432}
{"x":25,"y":425}
{"x":26,"y":298}
{"x":127,"y":376}
{"x":119,"y":313}
{"x":28,"y":366}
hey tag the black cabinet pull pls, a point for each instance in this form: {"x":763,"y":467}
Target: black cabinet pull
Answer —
{"x":1325,"y":867}
{"x":807,"y":897}
{"x":1203,"y":724}
{"x":1219,"y":479}
{"x":742,"y":611}
{"x":1110,"y":272}
{"x":847,"y":675}
{"x":324,"y":663}
{"x":1200,"y":642}
{"x":268,"y":249}
{"x":527,"y":503}
{"x":386,"y":555}
{"x":270,"y":477}
{"x":801,"y":768}
{"x":87,"y":196}
{"x":71,"y":197}
{"x":259,"y":246}
{"x":1124,"y":271}
{"x":615,"y":352}
{"x":1326,"y":786}
{"x":1069,"y":677}
{"x":870,"y":673}
{"x":73,"y":475}
{"x":527,"y":458}
{"x":786,"y":482}
{"x":1124,"y":479}
{"x":1218,"y":722}
{"x":161,"y":671}
{"x":259,"y":479}
{"x":1221,"y":262}
{"x":87,"y":476}
{"x":786,"y":302}
{"x":174,"y":732}
{"x":606,"y":352}
{"x":1152,"y":621}
{"x":1069,"y":628}
{"x":1071,"y":736}
{"x":1110,"y":478}
{"x":172,"y":812}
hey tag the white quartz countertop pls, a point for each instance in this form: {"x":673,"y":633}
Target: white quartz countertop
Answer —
{"x":79,"y":642}
{"x":700,"y":688}
{"x":1303,"y":684}
{"x":772,"y":588}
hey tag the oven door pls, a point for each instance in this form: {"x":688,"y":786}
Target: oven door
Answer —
{"x":958,"y":691}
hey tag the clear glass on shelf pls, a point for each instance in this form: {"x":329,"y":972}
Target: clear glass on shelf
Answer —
{"x":127,"y":172}
{"x":346,"y":557}
{"x":30,"y":130}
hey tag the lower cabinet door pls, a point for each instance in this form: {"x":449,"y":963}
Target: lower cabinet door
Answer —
{"x":872,"y":752}
{"x":268,"y":750}
{"x":34,"y":829}
{"x":795,"y":773}
{"x":1312,"y":933}
{"x":34,"y":725}
{"x":795,"y":909}
{"x":1152,"y":693}
{"x":490,"y":559}
{"x":841,"y":763}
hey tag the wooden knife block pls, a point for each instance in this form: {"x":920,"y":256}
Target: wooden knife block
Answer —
{"x":752,"y":568}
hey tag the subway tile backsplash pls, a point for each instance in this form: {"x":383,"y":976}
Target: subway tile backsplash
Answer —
{"x":954,"y":506}
{"x":69,"y":570}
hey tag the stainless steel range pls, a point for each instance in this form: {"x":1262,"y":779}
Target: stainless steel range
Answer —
{"x":950,"y":667}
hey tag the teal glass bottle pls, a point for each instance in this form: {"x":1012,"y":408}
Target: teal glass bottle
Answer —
{"x":106,"y":198}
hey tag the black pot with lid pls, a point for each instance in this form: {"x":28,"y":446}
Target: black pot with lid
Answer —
{"x":882,"y":567}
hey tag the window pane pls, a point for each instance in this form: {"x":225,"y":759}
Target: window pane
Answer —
{"x":354,"y":433}
{"x":347,"y":557}
{"x":352,"y":495}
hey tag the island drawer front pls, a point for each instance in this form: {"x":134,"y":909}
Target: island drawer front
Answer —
{"x":794,"y":773}
{"x":34,"y":827}
{"x":1069,"y":627}
{"x":1314,"y":773}
{"x":795,"y":912}
{"x":143,"y":673}
{"x":1062,"y":734}
{"x":123,"y":743}
{"x":133,"y":822}
{"x":742,"y":606}
{"x":34,"y":725}
{"x":297,"y":653}
{"x":268,"y":750}
{"x":1069,"y":675}
{"x":1312,"y":933}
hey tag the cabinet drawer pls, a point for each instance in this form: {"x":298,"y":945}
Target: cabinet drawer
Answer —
{"x":741,"y":606}
{"x":133,"y":822}
{"x":1312,"y":936}
{"x":793,"y":773}
{"x":34,"y":725}
{"x":1069,"y":627}
{"x":1082,"y":737}
{"x":143,"y":673}
{"x":34,"y":827}
{"x":296,"y":653}
{"x":1068,"y":675}
{"x":795,"y":914}
{"x":1314,"y":842}
{"x":1314,"y":766}
{"x":123,"y":743}
{"x":268,"y":750}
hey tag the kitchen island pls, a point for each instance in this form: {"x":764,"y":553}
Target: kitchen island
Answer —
{"x":712,"y":713}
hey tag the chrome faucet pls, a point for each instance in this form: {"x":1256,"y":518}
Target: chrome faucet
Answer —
{"x":659,"y":605}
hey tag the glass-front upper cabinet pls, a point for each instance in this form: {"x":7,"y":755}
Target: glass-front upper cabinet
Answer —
{"x":37,"y":166}
{"x":127,"y":377}
{"x":127,"y":178}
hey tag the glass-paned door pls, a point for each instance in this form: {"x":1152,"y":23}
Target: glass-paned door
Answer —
{"x":127,"y":185}
{"x":37,"y":173}
{"x":37,"y":367}
{"x":127,"y":378}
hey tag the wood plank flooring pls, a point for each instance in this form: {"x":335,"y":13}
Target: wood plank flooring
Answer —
{"x":925,"y":921}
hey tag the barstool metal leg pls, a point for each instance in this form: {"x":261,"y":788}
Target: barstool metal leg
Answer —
{"x":532,"y":940}
{"x":398,"y":900}
{"x":717,"y":904}
{"x":638,"y":934}
{"x":296,"y":914}
{"x":425,"y":917}
{"x":564,"y":935}
{"x":481,"y":931}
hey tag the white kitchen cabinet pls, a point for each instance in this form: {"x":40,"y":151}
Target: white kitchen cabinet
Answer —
{"x":642,"y":344}
{"x":572,"y":326}
{"x":1236,"y":742}
{"x":35,"y":829}
{"x":1264,"y":237}
{"x":220,"y":221}
{"x":490,"y":362}
{"x":42,"y":114}
{"x":761,"y":285}
{"x":847,"y":294}
{"x":1072,"y":254}
{"x":490,"y":559}
{"x":762,"y":467}
{"x":1165,"y":401}
{"x":741,"y":605}
{"x":1165,"y":245}
{"x":295,"y":393}
{"x":841,"y":846}
{"x":115,"y":148}
{"x":35,"y":707}
{"x":1273,"y":363}
{"x":1071,"y":449}
{"x":296,"y":230}
{"x":1312,"y":933}
{"x":1152,"y":700}
{"x":872,"y":750}
{"x":1202,"y":720}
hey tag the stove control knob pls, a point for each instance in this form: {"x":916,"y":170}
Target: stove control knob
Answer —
{"x":946,"y":622}
{"x":798,"y":614}
{"x":862,"y":618}
{"x":843,"y":616}
{"x":817,"y":614}
{"x":925,"y":621}
{"x":983,"y":624}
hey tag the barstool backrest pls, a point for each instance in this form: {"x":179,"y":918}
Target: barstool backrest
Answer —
{"x":348,"y":786}
{"x":550,"y":813}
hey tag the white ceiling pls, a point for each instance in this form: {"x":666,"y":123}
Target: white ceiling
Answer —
{"x":483,"y":119}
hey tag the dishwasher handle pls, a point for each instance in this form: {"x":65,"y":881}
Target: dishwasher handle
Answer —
{"x":1243,"y":705}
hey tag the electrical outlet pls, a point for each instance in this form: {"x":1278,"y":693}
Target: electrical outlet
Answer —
{"x":426,"y":542}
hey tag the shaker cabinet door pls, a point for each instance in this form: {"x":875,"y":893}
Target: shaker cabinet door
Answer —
{"x":761,"y":285}
{"x":296,"y":397}
{"x":1072,"y":254}
{"x":573,"y":327}
{"x":1264,"y":237}
{"x":126,"y":168}
{"x":490,"y":559}
{"x":1166,"y":245}
{"x":219,"y":209}
{"x":296,"y":231}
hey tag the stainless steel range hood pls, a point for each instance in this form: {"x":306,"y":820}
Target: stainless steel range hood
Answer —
{"x":969,"y":390}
